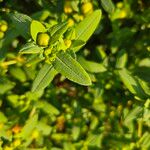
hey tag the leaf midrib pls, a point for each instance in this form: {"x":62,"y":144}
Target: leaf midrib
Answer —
{"x":70,"y":68}
{"x":43,"y":77}
{"x":83,"y":31}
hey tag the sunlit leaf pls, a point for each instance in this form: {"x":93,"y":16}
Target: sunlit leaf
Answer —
{"x":35,"y":28}
{"x":44,"y":77}
{"x":71,"y":69}
{"x":85,"y":28}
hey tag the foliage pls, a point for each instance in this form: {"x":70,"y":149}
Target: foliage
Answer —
{"x":74,"y":75}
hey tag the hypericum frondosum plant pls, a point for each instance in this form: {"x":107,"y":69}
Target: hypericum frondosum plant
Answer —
{"x":56,"y":46}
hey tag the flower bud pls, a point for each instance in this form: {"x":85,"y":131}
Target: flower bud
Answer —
{"x":43,"y":39}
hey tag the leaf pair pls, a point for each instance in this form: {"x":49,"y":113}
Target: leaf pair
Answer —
{"x":64,"y":63}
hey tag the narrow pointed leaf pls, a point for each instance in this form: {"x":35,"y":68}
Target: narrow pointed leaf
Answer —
{"x":44,"y":77}
{"x":145,"y":86}
{"x":85,"y":28}
{"x":144,"y":140}
{"x":47,"y":108}
{"x":108,"y":5}
{"x":56,"y":28}
{"x":71,"y":69}
{"x":91,"y":66}
{"x":29,"y":126}
{"x":58,"y":33}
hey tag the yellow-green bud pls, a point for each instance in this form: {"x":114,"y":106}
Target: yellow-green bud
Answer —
{"x":87,"y":7}
{"x":67,"y":43}
{"x":47,"y":51}
{"x":3,"y":27}
{"x":1,"y":34}
{"x":42,"y":39}
{"x":67,"y":9}
{"x":70,"y":22}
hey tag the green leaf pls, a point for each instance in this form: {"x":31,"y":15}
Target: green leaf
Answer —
{"x":77,"y":44}
{"x":131,"y":83}
{"x":44,"y":128}
{"x":3,"y":118}
{"x":6,"y":85}
{"x":94,"y":140}
{"x":56,"y":148}
{"x":13,"y":100}
{"x":91,"y":66}
{"x":30,"y":48}
{"x":71,"y":53}
{"x":144,"y":62}
{"x":29,"y":126}
{"x":68,"y":146}
{"x":30,"y":71}
{"x":35,"y":28}
{"x":145,"y":86}
{"x":108,"y":5}
{"x":44,"y":77}
{"x":47,"y":108}
{"x":85,"y":28}
{"x":121,"y":59}
{"x":18,"y":73}
{"x":57,"y":27}
{"x":76,"y":130}
{"x":21,"y":23}
{"x":57,"y":32}
{"x":71,"y":69}
{"x":41,"y":15}
{"x":33,"y":59}
{"x":144,"y":140}
{"x":132,"y":115}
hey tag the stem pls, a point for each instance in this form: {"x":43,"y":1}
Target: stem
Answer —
{"x":7,"y":63}
{"x":140,"y":127}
